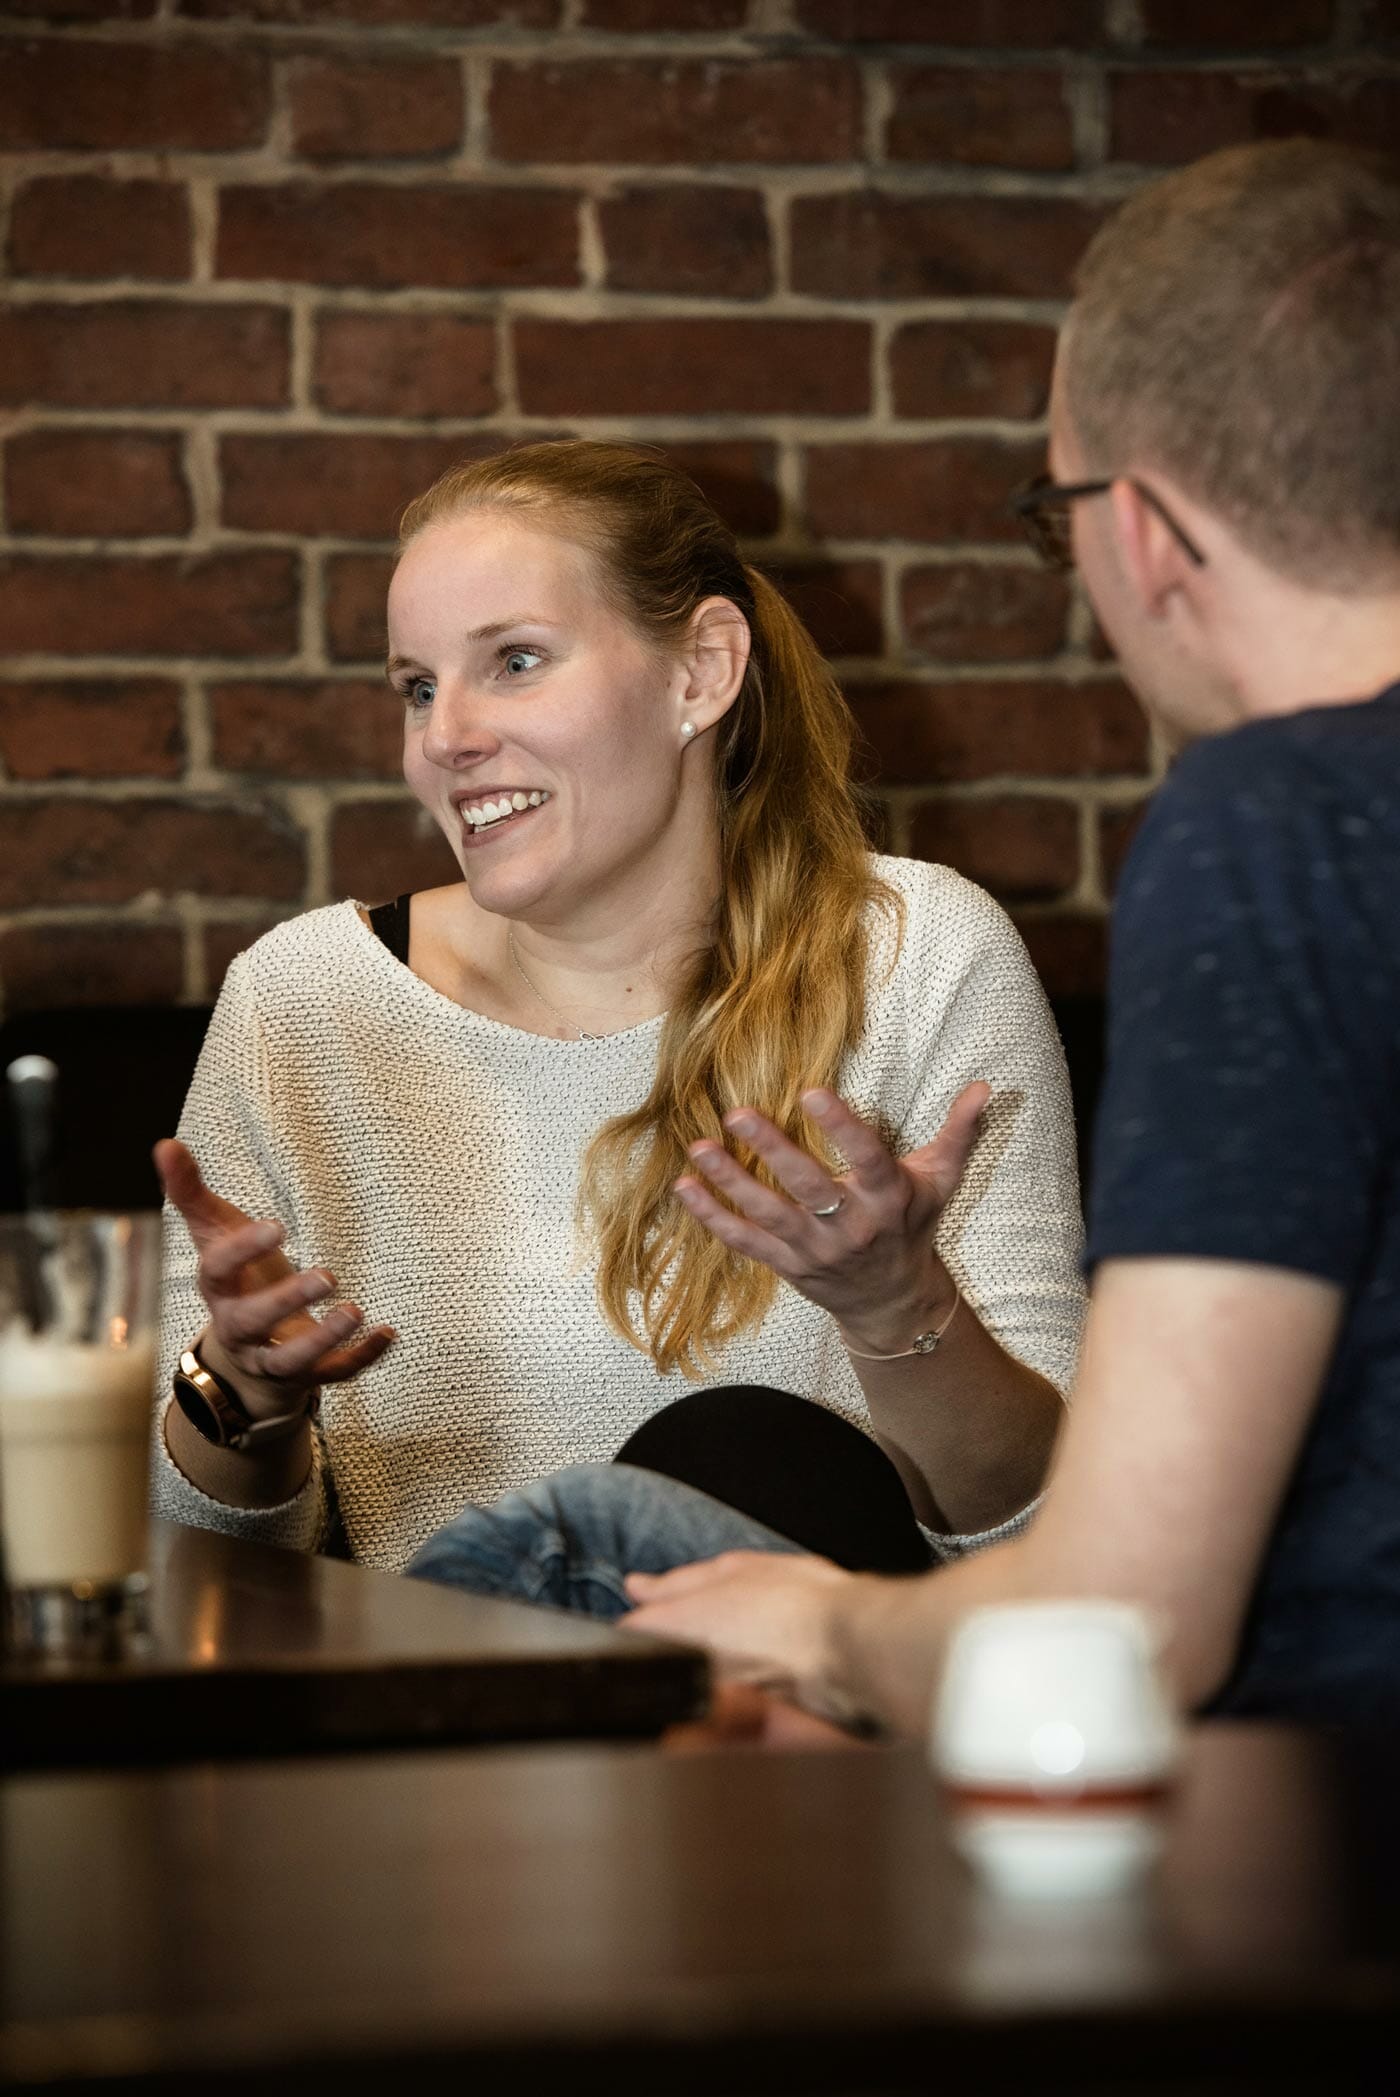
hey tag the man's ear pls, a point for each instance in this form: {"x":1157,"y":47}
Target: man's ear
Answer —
{"x":1155,"y":562}
{"x":715,"y":659}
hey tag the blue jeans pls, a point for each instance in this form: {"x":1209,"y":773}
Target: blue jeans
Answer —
{"x":569,"y":1540}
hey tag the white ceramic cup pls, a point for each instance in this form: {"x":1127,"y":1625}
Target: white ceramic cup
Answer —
{"x":1055,"y":1740}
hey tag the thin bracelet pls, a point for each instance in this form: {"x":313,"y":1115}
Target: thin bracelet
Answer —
{"x":926,"y":1343}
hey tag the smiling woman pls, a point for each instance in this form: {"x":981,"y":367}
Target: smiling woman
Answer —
{"x":577,"y":1122}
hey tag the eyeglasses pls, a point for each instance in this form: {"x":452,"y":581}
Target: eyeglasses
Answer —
{"x":1043,"y":508}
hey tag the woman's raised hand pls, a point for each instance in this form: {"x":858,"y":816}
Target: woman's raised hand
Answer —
{"x":861,"y":1245}
{"x":259,"y":1304}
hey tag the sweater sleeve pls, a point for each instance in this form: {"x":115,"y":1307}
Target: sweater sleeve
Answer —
{"x":229,"y":1123}
{"x":1012,"y":1236}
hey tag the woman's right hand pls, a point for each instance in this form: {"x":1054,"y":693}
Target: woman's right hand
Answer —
{"x":259,"y":1304}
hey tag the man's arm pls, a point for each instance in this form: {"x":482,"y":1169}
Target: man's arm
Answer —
{"x":1196,"y":1385}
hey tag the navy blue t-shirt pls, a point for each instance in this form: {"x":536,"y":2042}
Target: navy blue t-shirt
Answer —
{"x":1251,"y":1111}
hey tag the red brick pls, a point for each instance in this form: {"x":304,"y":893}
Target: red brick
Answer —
{"x":997,"y":25}
{"x":327,"y":729}
{"x":870,"y":245}
{"x":972,"y":367}
{"x":1117,"y":829}
{"x":116,"y":962}
{"x":375,"y":108}
{"x":99,"y":728}
{"x":383,"y":848}
{"x":927,"y":733}
{"x":207,"y":604}
{"x":356,"y":589}
{"x":977,"y":612}
{"x":1159,"y":117}
{"x":839,"y":602}
{"x":680,"y":111}
{"x":392,"y":14}
{"x":740,"y":477}
{"x":420,"y":235}
{"x":145,"y":353}
{"x":980,"y":118}
{"x":345,"y":487}
{"x":1245,"y":25}
{"x":691,"y":240}
{"x":96,"y":483}
{"x":1070,"y":953}
{"x":227,"y":938}
{"x":81,"y":850}
{"x":81,"y":226}
{"x":374,"y":363}
{"x":940,"y":489}
{"x":1021,"y":846}
{"x":642,"y":15}
{"x":186,"y":96}
{"x":693,"y":367}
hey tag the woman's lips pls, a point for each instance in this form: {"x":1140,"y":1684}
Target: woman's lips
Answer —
{"x":482,"y":819}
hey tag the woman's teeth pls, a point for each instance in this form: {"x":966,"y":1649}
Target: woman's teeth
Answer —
{"x":482,"y":814}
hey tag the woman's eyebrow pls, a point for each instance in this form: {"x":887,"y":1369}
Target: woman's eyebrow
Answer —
{"x":489,"y":633}
{"x":476,"y":633}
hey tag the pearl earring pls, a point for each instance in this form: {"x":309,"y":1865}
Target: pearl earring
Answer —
{"x":687,"y":729}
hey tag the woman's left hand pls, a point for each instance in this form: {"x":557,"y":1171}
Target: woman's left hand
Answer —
{"x":861,"y":1246}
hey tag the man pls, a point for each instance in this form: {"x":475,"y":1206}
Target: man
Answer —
{"x":1225,"y":452}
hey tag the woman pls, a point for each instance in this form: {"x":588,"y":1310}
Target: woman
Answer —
{"x":667,"y":915}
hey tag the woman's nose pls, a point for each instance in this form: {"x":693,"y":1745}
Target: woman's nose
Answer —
{"x":457,"y":732}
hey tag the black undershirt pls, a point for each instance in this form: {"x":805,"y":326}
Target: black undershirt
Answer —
{"x":389,"y":922}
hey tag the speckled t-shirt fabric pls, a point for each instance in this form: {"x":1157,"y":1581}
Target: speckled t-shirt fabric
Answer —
{"x":1251,"y":1111}
{"x":430,"y":1157}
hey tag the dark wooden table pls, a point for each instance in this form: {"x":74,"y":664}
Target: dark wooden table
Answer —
{"x":613,"y":1920}
{"x":259,"y":1651}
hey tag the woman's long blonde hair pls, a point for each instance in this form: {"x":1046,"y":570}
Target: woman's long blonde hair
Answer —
{"x":776,"y":997}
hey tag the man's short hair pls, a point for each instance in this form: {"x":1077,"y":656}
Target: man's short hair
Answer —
{"x":1238,"y":325}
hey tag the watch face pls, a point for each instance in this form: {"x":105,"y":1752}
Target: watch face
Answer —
{"x":198,"y":1411}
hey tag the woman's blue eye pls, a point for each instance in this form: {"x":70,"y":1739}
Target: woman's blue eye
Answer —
{"x":419,"y":691}
{"x":516,"y":661}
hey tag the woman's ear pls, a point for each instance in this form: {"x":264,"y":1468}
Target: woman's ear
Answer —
{"x":714,"y":660}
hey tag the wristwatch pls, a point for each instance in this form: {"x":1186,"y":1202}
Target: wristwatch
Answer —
{"x":213,"y":1407}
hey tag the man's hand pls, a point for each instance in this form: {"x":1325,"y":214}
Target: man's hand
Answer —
{"x":766,"y":1617}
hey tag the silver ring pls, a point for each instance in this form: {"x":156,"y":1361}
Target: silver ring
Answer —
{"x":831,"y":1207}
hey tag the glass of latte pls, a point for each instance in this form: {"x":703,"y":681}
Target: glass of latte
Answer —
{"x":78,"y":1299}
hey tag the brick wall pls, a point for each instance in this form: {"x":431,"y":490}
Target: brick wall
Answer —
{"x":273,"y":263}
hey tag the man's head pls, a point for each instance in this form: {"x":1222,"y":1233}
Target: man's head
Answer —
{"x":1234,"y":345}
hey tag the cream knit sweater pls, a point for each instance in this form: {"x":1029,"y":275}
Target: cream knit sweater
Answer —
{"x":430,"y":1157}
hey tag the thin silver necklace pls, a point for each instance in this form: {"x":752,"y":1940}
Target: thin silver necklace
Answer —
{"x":540,"y":998}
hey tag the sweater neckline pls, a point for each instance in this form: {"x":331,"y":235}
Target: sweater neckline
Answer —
{"x":440,"y":999}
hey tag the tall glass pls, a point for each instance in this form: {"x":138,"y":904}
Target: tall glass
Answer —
{"x":78,"y":1301}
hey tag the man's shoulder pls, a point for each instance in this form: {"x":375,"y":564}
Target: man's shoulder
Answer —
{"x":1322,"y":749}
{"x":1320,"y":781}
